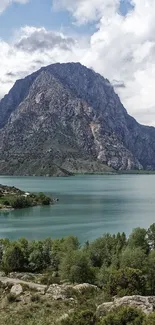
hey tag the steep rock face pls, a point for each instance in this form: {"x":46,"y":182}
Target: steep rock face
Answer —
{"x":16,"y":95}
{"x":67,"y":117}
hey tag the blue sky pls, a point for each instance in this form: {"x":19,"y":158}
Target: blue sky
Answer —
{"x":116,"y":42}
{"x":40,"y":13}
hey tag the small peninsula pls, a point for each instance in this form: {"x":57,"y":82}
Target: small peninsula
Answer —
{"x":13,"y":198}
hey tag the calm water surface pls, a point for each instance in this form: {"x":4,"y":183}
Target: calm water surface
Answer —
{"x":89,"y":206}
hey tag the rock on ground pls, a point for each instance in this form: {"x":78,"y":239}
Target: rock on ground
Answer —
{"x":17,"y":289}
{"x":146,"y":304}
{"x":84,"y":287}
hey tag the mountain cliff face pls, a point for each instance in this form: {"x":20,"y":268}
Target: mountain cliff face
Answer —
{"x":66,"y":118}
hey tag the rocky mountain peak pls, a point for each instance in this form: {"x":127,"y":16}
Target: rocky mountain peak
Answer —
{"x":66,"y":117}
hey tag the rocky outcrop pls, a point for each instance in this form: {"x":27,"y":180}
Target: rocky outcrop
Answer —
{"x":55,"y":291}
{"x":146,"y":304}
{"x":85,"y":287}
{"x":66,"y":118}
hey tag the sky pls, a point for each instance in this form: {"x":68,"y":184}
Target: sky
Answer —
{"x":114,"y":37}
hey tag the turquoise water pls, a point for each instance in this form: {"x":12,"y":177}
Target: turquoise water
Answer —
{"x":89,"y":206}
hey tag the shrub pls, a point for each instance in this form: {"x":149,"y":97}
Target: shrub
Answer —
{"x":48,"y":279}
{"x":43,"y":199}
{"x":151,"y":236}
{"x":138,"y":238}
{"x":86,"y":317}
{"x":76,"y":268}
{"x":21,"y":202}
{"x":46,"y":200}
{"x":133,"y":257}
{"x":6,"y":202}
{"x":125,"y":282}
{"x":35,"y":298}
{"x":13,"y":259}
{"x":150,"y":319}
{"x":11,"y":297}
{"x":124,"y":316}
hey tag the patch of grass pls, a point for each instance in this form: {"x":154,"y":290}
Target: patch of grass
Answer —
{"x":31,"y":314}
{"x":48,"y":279}
{"x":6,"y":200}
{"x":35,"y":298}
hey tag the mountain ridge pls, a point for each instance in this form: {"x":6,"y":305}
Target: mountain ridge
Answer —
{"x":68,"y":117}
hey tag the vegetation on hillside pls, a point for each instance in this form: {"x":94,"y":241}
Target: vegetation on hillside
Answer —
{"x":119,"y":266}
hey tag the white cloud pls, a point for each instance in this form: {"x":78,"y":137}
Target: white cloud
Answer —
{"x":122,"y":49}
{"x":87,"y":10}
{"x":32,"y":48}
{"x":32,"y":39}
{"x":5,"y":3}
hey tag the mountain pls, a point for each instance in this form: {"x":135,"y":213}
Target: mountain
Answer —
{"x":66,"y":118}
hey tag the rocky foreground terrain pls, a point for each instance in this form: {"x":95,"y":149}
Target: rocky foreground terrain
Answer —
{"x":66,"y":118}
{"x":33,"y":303}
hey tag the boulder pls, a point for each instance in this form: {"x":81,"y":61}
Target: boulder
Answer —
{"x":84,"y":287}
{"x":17,"y":289}
{"x":146,"y":304}
{"x":56,"y":291}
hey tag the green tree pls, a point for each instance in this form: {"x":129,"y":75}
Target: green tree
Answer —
{"x":13,"y":259}
{"x":151,"y":236}
{"x":103,"y":275}
{"x":150,"y":272}
{"x":102,"y":250}
{"x":46,"y":201}
{"x":126,"y":282}
{"x":75,"y":267}
{"x":36,"y":262}
{"x":3,"y":244}
{"x":21,"y":202}
{"x":138,"y":238}
{"x":70,"y":243}
{"x":133,"y":257}
{"x":46,"y":251}
{"x":43,"y":199}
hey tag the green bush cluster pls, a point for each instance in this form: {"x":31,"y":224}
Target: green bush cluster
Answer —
{"x":120,"y":316}
{"x":43,"y":199}
{"x":118,"y":265}
{"x":86,"y":317}
{"x":21,"y":202}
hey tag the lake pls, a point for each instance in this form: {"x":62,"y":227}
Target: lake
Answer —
{"x":89,"y":206}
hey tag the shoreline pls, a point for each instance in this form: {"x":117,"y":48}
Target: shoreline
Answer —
{"x":121,"y":172}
